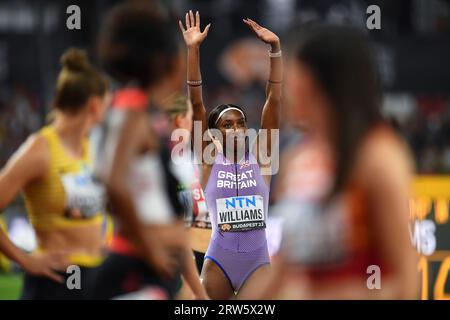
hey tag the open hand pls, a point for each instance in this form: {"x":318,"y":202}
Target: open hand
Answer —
{"x":262,"y":33}
{"x":192,"y":34}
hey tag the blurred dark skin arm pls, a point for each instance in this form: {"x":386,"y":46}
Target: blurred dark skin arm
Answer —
{"x":128,"y":140}
{"x":270,"y":118}
{"x":121,"y":147}
{"x":193,"y":38}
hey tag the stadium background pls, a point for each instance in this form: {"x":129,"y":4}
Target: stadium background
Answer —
{"x":412,"y":51}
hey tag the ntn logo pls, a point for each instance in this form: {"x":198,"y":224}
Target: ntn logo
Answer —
{"x":242,"y":202}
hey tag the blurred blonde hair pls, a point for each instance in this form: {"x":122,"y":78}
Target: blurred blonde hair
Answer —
{"x":178,"y":105}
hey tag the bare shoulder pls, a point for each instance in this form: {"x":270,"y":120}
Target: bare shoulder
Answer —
{"x":384,"y":152}
{"x":31,"y":160}
{"x":37,"y":143}
{"x":35,"y":149}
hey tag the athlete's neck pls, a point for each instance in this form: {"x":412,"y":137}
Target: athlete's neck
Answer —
{"x":234,"y":156}
{"x":72,"y":129}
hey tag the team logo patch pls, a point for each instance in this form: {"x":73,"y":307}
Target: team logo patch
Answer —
{"x":245,"y":164}
{"x":225,"y":227}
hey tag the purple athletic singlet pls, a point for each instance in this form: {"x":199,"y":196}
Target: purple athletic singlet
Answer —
{"x":237,"y":197}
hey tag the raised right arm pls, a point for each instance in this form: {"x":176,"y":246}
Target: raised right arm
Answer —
{"x":193,"y":38}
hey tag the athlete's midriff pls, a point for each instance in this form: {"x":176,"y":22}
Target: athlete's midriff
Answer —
{"x":65,"y":187}
{"x":86,"y":241}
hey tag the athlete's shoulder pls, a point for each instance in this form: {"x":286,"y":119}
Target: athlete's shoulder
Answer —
{"x":384,"y":153}
{"x":32,"y":157}
{"x":384,"y":145}
{"x":36,"y":145}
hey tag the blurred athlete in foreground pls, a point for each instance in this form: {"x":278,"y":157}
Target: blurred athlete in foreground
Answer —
{"x":53,"y":170}
{"x":139,"y":49}
{"x":345,"y":189}
{"x":189,"y":190}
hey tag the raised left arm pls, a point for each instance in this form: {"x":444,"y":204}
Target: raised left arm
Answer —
{"x":270,"y":118}
{"x":271,"y":113}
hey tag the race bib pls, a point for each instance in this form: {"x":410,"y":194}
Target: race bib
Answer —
{"x":241,"y":213}
{"x":83,"y":194}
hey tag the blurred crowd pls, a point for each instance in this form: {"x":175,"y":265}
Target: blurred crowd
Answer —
{"x":20,"y":115}
{"x":424,"y":121}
